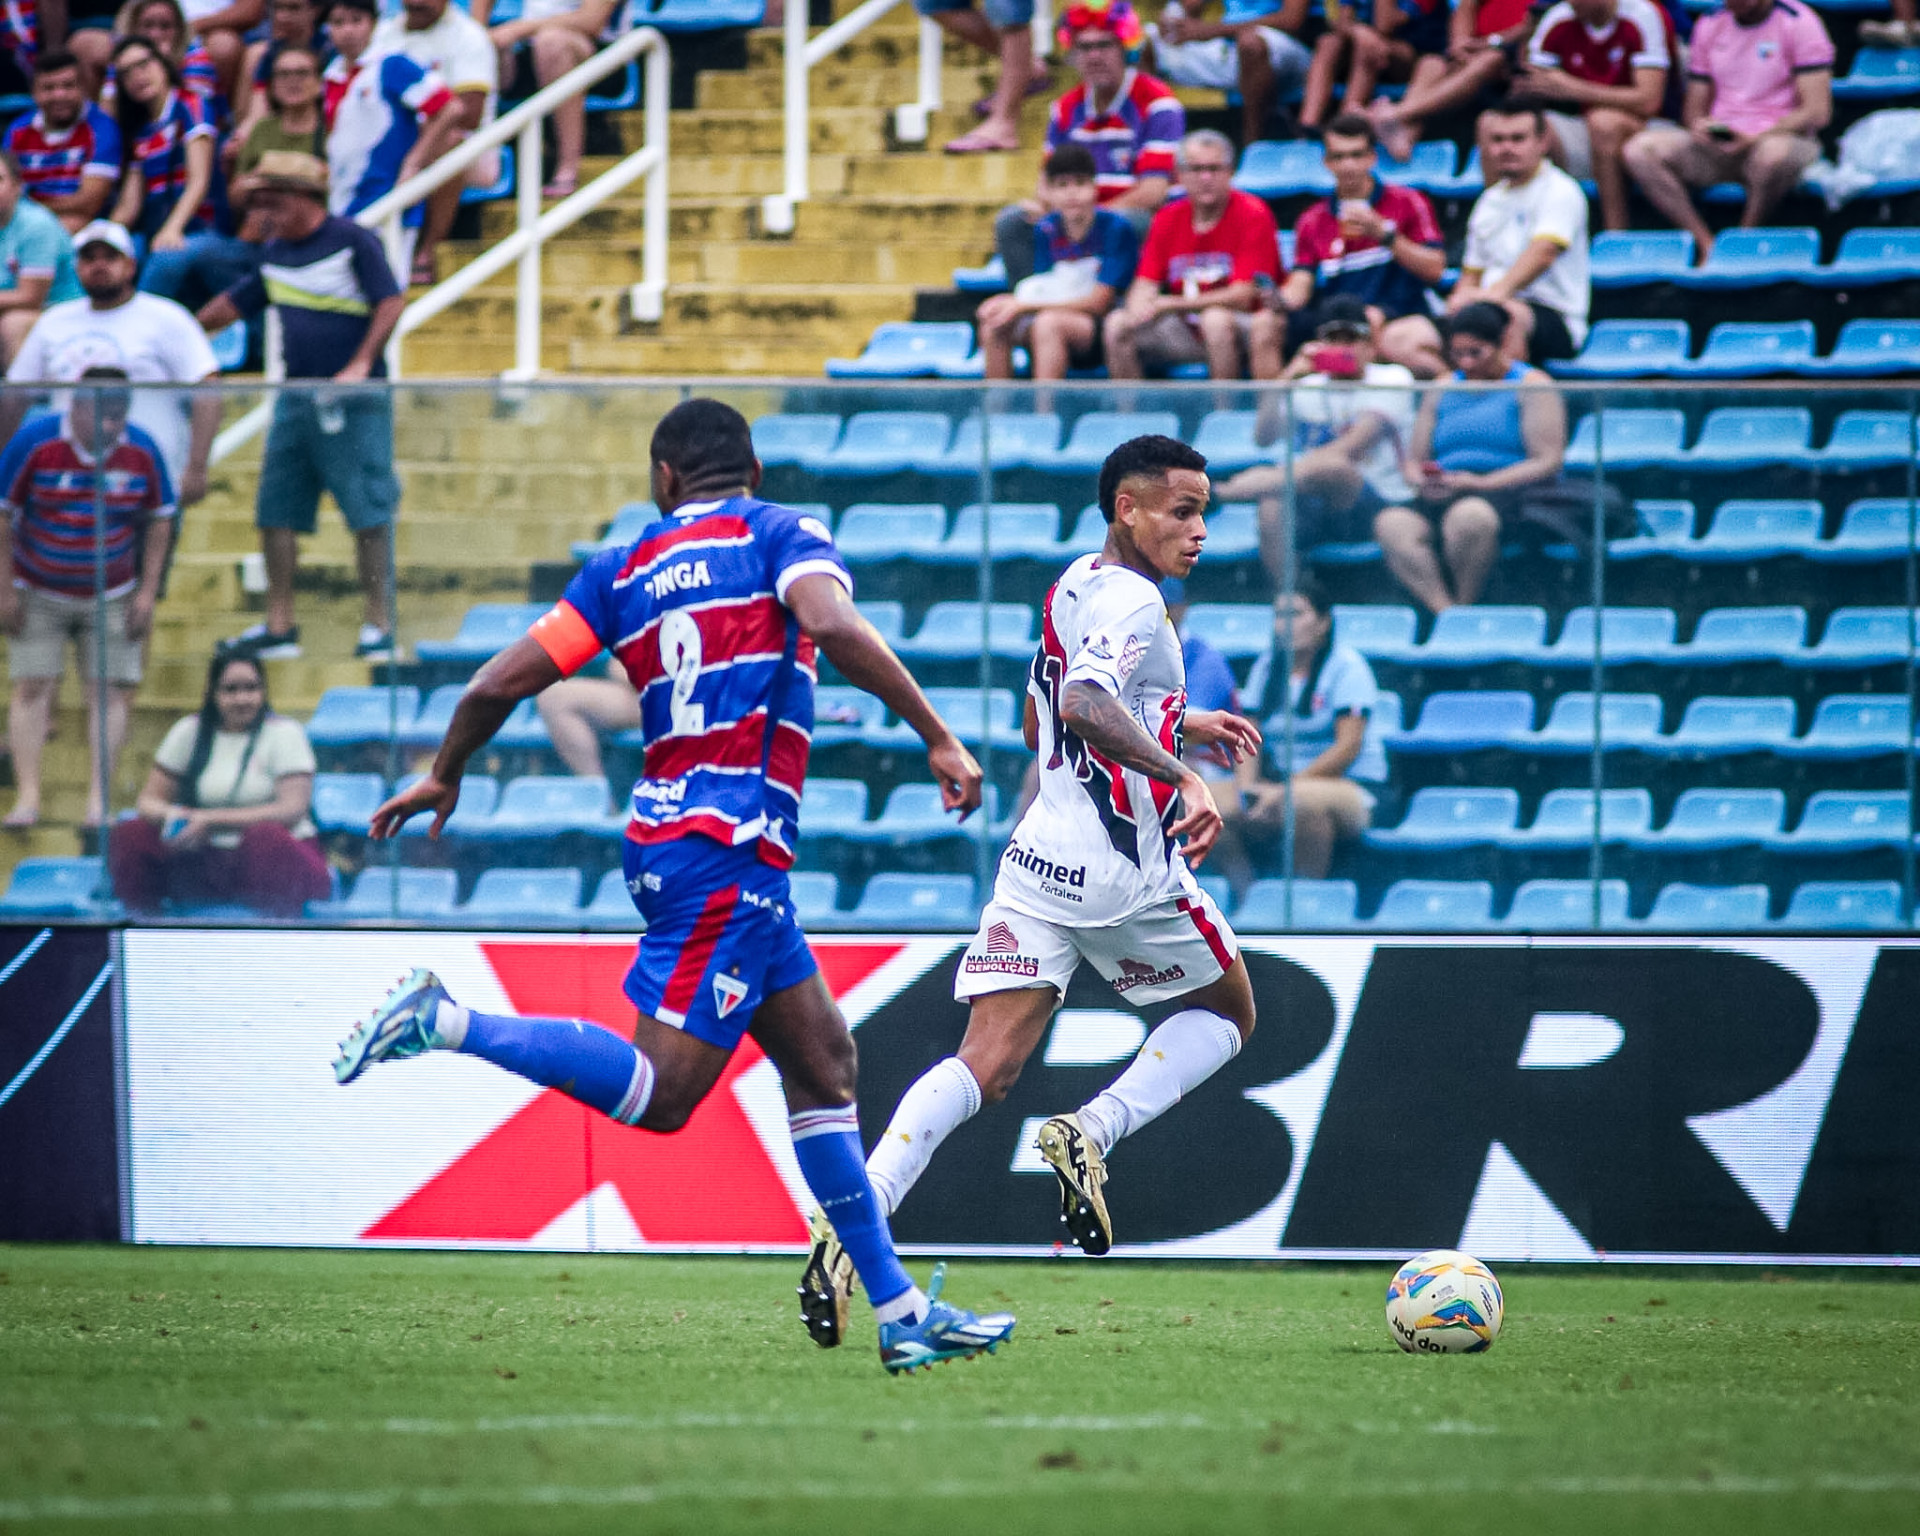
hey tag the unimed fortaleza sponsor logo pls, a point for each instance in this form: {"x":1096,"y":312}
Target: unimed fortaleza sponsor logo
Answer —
{"x":1137,"y":973}
{"x":1061,"y":880}
{"x":1000,"y":956}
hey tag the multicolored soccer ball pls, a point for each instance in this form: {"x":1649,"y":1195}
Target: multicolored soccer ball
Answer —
{"x":1444,"y":1303}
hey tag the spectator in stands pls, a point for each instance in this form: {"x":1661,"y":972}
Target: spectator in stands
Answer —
{"x":150,"y":339}
{"x":1401,"y":33}
{"x":223,"y":813}
{"x":1527,"y":239}
{"x":164,"y":24}
{"x":1348,"y":442}
{"x":90,"y":33}
{"x":68,"y":150}
{"x":389,"y":118}
{"x":1473,"y":455}
{"x":552,"y":37}
{"x":36,"y":260}
{"x":54,"y":472}
{"x":293,"y":120}
{"x":1759,"y":91}
{"x":1083,"y":259}
{"x":1338,"y":768}
{"x":1254,"y":49}
{"x":579,"y":710}
{"x":1370,"y":241}
{"x":291,"y":24}
{"x":1484,"y":39}
{"x":1129,"y":121}
{"x":1901,"y":31}
{"x":338,"y":304}
{"x":445,"y":39}
{"x":222,"y":29}
{"x":1004,"y":29}
{"x":1196,"y":290}
{"x":1604,"y":64}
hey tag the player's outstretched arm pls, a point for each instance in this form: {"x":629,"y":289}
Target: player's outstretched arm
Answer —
{"x":1238,"y":736}
{"x":827,"y":614}
{"x":519,"y":672}
{"x":1103,"y":723}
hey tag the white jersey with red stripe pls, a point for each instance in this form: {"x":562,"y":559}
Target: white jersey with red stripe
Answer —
{"x":1093,"y":849}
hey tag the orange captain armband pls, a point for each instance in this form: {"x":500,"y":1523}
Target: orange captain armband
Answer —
{"x":566,"y":637}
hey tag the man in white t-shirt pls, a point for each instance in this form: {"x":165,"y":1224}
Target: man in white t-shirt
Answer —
{"x":151,"y":339}
{"x":445,"y":39}
{"x":1527,"y":240}
{"x":1094,"y":870}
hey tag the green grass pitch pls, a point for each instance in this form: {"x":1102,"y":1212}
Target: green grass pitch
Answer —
{"x":204,"y":1391}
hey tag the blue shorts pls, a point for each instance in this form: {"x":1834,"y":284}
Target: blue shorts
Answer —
{"x":720,"y":936}
{"x":1004,"y":14}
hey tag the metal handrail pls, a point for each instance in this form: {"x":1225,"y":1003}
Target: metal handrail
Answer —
{"x":534,"y":228}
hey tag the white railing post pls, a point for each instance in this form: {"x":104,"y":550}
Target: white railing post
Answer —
{"x":393,"y":239}
{"x":776,"y":210}
{"x":1042,"y":26}
{"x":526,"y":290}
{"x":914,"y":121}
{"x":647,"y":302}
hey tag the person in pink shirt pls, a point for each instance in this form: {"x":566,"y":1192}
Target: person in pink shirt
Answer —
{"x":1759,"y":90}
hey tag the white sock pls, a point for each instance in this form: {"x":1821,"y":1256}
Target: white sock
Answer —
{"x":1179,"y":1056}
{"x":942,"y":1099}
{"x":449,"y":1026}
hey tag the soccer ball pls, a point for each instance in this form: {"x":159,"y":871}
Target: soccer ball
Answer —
{"x":1444,"y":1303}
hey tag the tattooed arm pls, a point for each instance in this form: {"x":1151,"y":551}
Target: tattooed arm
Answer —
{"x":1102,"y":722}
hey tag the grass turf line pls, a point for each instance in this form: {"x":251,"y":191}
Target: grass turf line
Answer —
{"x":224,"y":1390}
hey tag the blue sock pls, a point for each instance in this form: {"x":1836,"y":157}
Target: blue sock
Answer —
{"x":827,"y":1143}
{"x":583,"y":1061}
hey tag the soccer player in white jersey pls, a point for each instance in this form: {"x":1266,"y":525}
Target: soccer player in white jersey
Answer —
{"x":1094,"y":870}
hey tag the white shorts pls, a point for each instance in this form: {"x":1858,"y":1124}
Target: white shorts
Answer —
{"x":1162,"y":952}
{"x":1214,"y":62}
{"x":1576,"y":141}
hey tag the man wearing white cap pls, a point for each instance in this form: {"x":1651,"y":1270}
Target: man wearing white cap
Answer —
{"x":151,"y":339}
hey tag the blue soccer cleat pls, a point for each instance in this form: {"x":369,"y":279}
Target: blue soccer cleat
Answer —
{"x":946,"y":1333}
{"x":402,"y":1026}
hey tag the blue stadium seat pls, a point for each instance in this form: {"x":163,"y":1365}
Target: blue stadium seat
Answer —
{"x":525,"y":896}
{"x":889,"y":618}
{"x":612,"y":905}
{"x":781,"y":440}
{"x":1666,"y":528}
{"x":353,"y":717}
{"x":1626,"y":634}
{"x":345,"y":802}
{"x":1378,"y":631}
{"x":1098,"y":433}
{"x":1725,"y":636}
{"x":884,"y":443}
{"x":1847,"y":821}
{"x":871,"y":533}
{"x":1018,"y":530}
{"x":1562,"y":906}
{"x":479,"y":796}
{"x":501,"y":186}
{"x":907,"y":349}
{"x":1316,"y":904}
{"x":1433,"y":166}
{"x":1748,"y":437}
{"x":1844,"y":906}
{"x":1871,"y":256}
{"x":1465,"y":722}
{"x":676,"y":17}
{"x":1631,"y":439}
{"x":1237,"y":631}
{"x":1480,"y":635}
{"x":1629,"y":349}
{"x":1233,"y":532}
{"x":1872,"y":530}
{"x":230,"y":347}
{"x":1752,"y":349}
{"x":1708,"y":908}
{"x":484,"y":629}
{"x":815,"y":894}
{"x":543,"y":805}
{"x":1705,"y":819}
{"x":1724,"y":727}
{"x":1632,"y":258}
{"x":1284,"y":168}
{"x":1451,"y":818}
{"x":917,"y":903}
{"x":52,"y":887}
{"x":1435,"y":906}
{"x":1758,"y":530}
{"x":952,"y":631}
{"x":1565,"y":819}
{"x":1628,"y":722}
{"x":972,"y":722}
{"x":1389,"y":716}
{"x":1860,"y":637}
{"x":1226,"y":438}
{"x":1849,"y":726}
{"x":1013,"y":441}
{"x":989,"y":277}
{"x":1750,"y":258}
{"x":842,"y":715}
{"x":1880,"y":74}
{"x":1470,"y":182}
{"x":913,"y":815}
{"x":833,"y":807}
{"x":1088,"y":535}
{"x":430,"y":724}
{"x":1868,"y":440}
{"x":1870,"y":349}
{"x":627,"y":525}
{"x":421,"y":893}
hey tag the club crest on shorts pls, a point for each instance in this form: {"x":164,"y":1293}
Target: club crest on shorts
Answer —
{"x":729,"y":992}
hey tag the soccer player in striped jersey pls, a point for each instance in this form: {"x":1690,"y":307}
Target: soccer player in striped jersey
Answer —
{"x":716,"y":613}
{"x":1094,"y":870}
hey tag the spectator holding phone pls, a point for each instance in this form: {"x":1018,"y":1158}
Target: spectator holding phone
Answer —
{"x":1759,"y":91}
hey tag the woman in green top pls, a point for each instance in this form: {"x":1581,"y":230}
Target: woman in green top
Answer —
{"x":293,"y":118}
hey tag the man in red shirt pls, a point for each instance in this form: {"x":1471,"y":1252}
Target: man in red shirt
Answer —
{"x":1195,"y":294}
{"x":1600,"y":68}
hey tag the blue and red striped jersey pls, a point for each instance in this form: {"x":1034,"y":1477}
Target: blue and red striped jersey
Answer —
{"x":695,"y":611}
{"x":53,"y":163}
{"x":48,"y":491}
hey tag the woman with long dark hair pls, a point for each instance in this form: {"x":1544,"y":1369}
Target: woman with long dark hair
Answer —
{"x":223,"y":814}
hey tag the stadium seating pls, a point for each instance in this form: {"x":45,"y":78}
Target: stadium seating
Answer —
{"x":486,"y":628}
{"x":1314,"y":904}
{"x":1440,"y":819}
{"x":407,"y":894}
{"x":910,"y":902}
{"x":1553,"y":906}
{"x":907,"y":350}
{"x":1704,"y":909}
{"x":1844,"y":905}
{"x":524,"y":896}
{"x":1435,"y":906}
{"x":355,"y":717}
{"x":53,"y":887}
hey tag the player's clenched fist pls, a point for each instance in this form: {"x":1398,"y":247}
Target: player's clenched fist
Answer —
{"x":958,"y":775}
